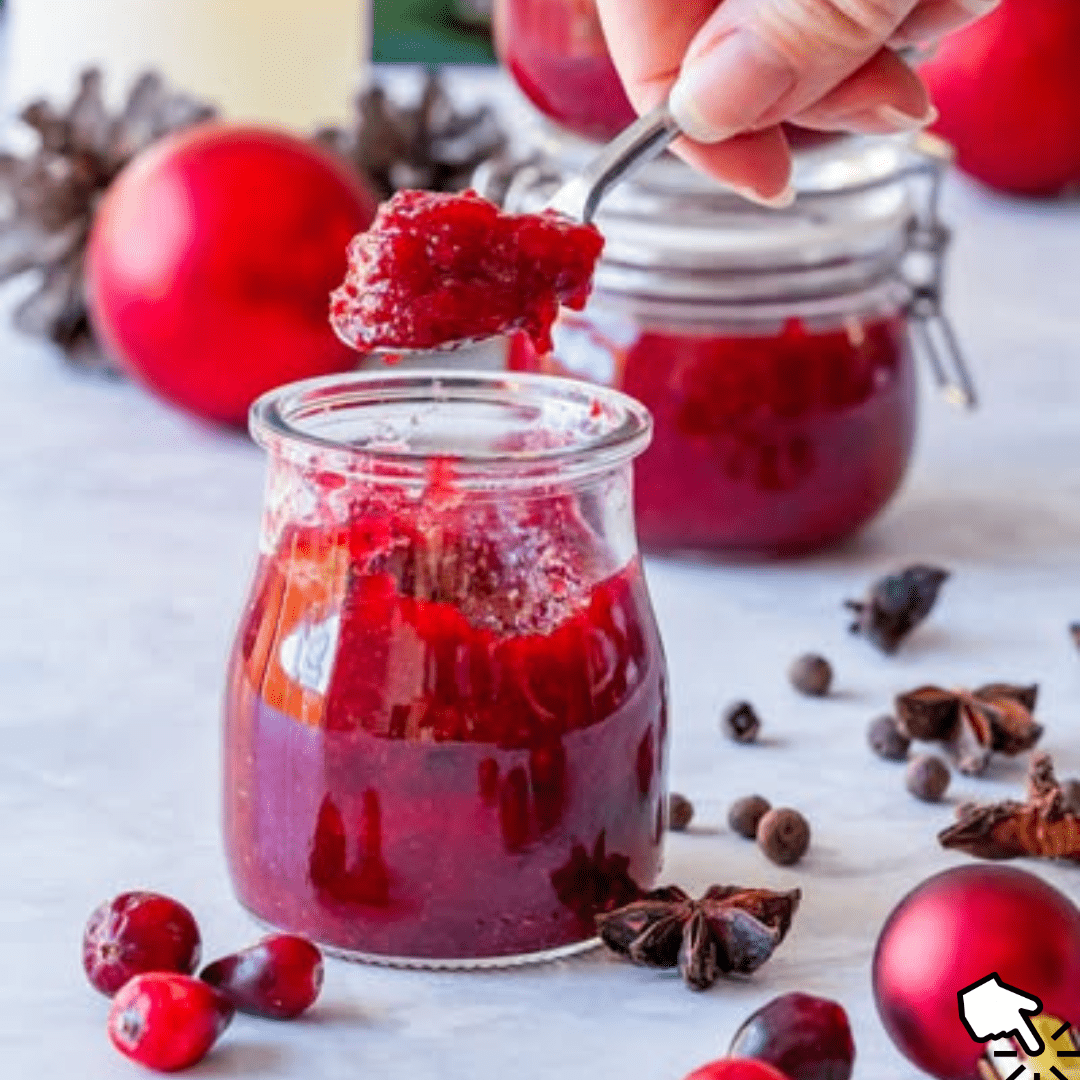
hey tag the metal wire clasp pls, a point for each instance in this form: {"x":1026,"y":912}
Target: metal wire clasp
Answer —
{"x":924,"y":271}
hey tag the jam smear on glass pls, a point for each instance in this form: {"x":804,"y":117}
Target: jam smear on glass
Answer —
{"x":436,"y":268}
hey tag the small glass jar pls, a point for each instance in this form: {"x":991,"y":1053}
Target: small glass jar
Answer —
{"x":445,"y":724}
{"x":773,"y":348}
{"x":556,"y":52}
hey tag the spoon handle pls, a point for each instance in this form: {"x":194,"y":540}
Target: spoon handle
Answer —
{"x":643,"y":140}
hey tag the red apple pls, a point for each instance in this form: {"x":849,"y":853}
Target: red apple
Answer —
{"x":1008,"y":87}
{"x":211,"y":261}
{"x":952,"y":931}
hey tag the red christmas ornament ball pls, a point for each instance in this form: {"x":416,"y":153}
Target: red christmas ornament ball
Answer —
{"x":211,"y":261}
{"x":952,"y":931}
{"x":1009,"y":95}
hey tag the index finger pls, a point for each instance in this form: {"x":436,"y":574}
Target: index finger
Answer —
{"x":648,"y":41}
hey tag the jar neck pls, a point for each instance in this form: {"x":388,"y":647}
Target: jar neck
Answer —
{"x":486,"y":433}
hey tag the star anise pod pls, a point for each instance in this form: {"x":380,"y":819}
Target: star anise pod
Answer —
{"x":896,"y":604}
{"x":430,"y":144}
{"x":1046,"y":825}
{"x":972,"y":724}
{"x":48,"y":199}
{"x":730,"y":929}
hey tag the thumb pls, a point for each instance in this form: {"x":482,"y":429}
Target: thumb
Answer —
{"x":755,"y":62}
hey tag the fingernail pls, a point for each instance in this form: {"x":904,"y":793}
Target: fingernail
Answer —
{"x":773,"y":202}
{"x":978,"y":7}
{"x":729,"y":88}
{"x":902,"y":121}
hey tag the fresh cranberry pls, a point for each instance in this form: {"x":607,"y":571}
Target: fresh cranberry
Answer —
{"x":137,"y":932}
{"x":167,"y":1021}
{"x":805,"y":1037}
{"x":736,"y":1069}
{"x":952,"y":931}
{"x":279,"y":977}
{"x":434,"y":269}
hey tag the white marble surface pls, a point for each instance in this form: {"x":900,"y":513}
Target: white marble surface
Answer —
{"x":128,"y":534}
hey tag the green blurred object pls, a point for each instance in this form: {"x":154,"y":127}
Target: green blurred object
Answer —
{"x":427,"y":32}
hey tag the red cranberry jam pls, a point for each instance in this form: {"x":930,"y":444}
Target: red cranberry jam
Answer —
{"x":556,"y":53}
{"x":764,"y":444}
{"x":435,"y":269}
{"x":445,"y":723}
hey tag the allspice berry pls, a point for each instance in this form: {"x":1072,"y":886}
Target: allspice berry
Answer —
{"x":740,"y":721}
{"x":927,"y":777}
{"x":745,"y":813}
{"x":783,"y":835}
{"x":680,"y":812}
{"x":811,"y":675}
{"x":887,"y":740}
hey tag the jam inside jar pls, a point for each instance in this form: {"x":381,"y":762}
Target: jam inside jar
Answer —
{"x":769,"y":440}
{"x":445,"y":721}
{"x":775,"y":349}
{"x":556,"y":52}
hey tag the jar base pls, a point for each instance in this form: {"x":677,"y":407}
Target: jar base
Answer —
{"x":459,"y":963}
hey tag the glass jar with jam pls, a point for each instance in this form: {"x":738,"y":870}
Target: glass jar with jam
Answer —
{"x":445,"y":720}
{"x":556,"y":52}
{"x":773,"y":348}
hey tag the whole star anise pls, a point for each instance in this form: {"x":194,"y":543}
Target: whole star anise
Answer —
{"x":730,"y":929}
{"x":972,"y":724}
{"x":49,"y":198}
{"x":896,"y":604}
{"x":1045,"y":825}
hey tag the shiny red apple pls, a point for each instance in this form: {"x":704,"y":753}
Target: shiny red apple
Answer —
{"x":952,"y":931}
{"x":1008,"y":88}
{"x":211,"y":261}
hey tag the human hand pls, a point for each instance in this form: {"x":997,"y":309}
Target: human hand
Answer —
{"x":736,"y":69}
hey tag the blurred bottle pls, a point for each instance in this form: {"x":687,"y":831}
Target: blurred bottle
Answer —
{"x":274,"y":61}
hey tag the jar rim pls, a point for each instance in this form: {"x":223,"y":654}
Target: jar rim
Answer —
{"x":511,"y":429}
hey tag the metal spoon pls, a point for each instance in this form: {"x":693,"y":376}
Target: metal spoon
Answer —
{"x":580,"y":196}
{"x":633,"y":147}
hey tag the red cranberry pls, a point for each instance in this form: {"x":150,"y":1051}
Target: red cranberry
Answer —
{"x":167,"y":1021}
{"x":805,"y":1037}
{"x":279,"y":977}
{"x":137,"y":932}
{"x":953,"y":930}
{"x":737,"y":1069}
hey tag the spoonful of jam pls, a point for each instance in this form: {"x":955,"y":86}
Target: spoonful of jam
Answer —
{"x":439,"y":270}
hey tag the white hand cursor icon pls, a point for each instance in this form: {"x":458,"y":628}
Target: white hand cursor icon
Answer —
{"x":991,"y":1009}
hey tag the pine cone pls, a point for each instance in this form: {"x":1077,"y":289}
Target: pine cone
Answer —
{"x":429,"y":145}
{"x":49,"y":199}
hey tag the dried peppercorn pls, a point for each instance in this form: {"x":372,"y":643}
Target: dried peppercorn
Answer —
{"x":740,"y":721}
{"x":783,"y":835}
{"x":745,"y":813}
{"x":680,"y":812}
{"x":927,"y":777}
{"x":811,"y":674}
{"x":886,"y":738}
